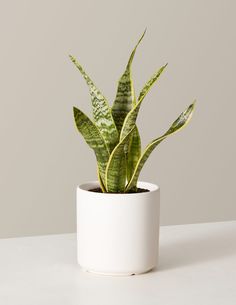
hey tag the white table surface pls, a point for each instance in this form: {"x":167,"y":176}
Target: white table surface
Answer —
{"x":197,"y":267}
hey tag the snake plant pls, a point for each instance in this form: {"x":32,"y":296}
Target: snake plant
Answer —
{"x":113,"y":134}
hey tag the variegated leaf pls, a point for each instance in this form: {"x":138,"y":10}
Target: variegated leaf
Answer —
{"x":177,"y":125}
{"x":124,"y":101}
{"x":125,"y":97}
{"x":131,"y":117}
{"x":151,"y":82}
{"x":94,"y":139}
{"x":115,"y":178}
{"x":101,"y":111}
{"x":133,"y":153}
{"x":101,"y":182}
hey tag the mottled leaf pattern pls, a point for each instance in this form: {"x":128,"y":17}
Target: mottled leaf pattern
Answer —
{"x":133,"y":153}
{"x":113,"y":134}
{"x":115,"y":179}
{"x":131,"y":117}
{"x":125,"y":97}
{"x":177,"y":125}
{"x":94,"y":139}
{"x":101,"y":111}
{"x":124,"y":101}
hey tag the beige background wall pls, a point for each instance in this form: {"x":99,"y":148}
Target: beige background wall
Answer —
{"x":42,"y":158}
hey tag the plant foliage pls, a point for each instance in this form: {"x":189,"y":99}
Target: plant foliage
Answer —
{"x":113,"y":134}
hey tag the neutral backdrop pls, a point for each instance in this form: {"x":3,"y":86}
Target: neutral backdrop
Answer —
{"x":42,"y":156}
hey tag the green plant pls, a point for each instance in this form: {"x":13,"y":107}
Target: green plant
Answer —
{"x":113,"y":134}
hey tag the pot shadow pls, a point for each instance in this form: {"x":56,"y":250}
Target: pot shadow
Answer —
{"x":212,"y":243}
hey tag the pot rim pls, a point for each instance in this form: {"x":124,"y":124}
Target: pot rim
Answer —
{"x":85,"y":187}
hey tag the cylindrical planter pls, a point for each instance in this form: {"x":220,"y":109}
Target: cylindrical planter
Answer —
{"x":118,"y":234}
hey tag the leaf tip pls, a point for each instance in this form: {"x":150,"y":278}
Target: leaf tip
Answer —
{"x":163,"y":67}
{"x":193,"y":105}
{"x":75,"y":110}
{"x":72,"y":58}
{"x":141,"y":38}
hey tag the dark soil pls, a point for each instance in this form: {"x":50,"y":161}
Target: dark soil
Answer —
{"x":139,"y":190}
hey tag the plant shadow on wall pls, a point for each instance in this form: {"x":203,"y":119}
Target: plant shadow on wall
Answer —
{"x":113,"y":134}
{"x":217,"y":242}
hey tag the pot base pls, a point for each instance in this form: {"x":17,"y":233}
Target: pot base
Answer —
{"x":116,"y":274}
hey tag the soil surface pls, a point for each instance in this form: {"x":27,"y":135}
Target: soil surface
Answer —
{"x":139,"y":190}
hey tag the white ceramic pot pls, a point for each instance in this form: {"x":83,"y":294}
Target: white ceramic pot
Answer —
{"x":118,"y":234}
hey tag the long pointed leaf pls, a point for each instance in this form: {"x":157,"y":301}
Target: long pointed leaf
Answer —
{"x":101,"y":111}
{"x":94,"y":139}
{"x":125,"y":96}
{"x":134,"y":153}
{"x":115,"y":178}
{"x":131,"y":117}
{"x":177,"y":125}
{"x":151,"y":82}
{"x":124,"y":101}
